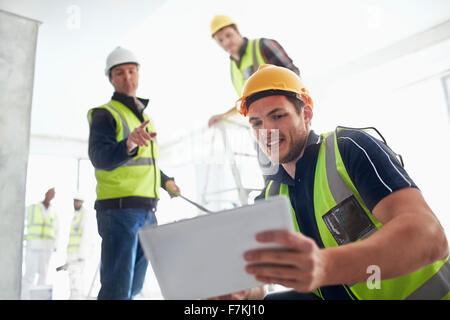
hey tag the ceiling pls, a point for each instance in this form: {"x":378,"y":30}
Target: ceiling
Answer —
{"x":184,"y":73}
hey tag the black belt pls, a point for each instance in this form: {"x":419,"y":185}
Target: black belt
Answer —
{"x":127,"y":203}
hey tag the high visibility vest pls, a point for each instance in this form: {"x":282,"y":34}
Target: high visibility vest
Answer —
{"x":76,"y":232}
{"x":139,"y":176}
{"x":333,"y":191}
{"x":37,"y":227}
{"x":250,"y":62}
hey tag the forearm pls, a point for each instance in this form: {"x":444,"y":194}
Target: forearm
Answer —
{"x":402,"y":246}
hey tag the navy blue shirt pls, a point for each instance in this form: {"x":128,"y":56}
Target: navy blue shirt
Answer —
{"x":372,"y":167}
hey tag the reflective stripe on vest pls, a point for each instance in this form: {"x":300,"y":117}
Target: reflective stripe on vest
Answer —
{"x":126,"y":133}
{"x":249,"y":63}
{"x":138,"y":176}
{"x":37,"y":226}
{"x":76,"y":232}
{"x":430,"y":282}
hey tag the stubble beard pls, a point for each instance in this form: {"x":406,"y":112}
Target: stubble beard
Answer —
{"x":296,"y":147}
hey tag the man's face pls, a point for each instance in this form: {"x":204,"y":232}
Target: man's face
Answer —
{"x":229,"y":39}
{"x":77,"y":204}
{"x":125,"y":79}
{"x":281,"y":132}
{"x":50,"y":194}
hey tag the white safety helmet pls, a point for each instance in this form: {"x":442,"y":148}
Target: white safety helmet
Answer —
{"x":78,"y":196}
{"x":119,"y":56}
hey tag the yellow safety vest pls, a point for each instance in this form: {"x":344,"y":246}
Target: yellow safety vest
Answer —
{"x":250,"y":62}
{"x":37,"y":227}
{"x":76,"y":232}
{"x":332,"y":187}
{"x":140,"y":175}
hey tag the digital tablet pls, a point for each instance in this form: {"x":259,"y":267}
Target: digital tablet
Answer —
{"x":202,"y":257}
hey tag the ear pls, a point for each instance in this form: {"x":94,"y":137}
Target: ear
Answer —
{"x":307,"y":114}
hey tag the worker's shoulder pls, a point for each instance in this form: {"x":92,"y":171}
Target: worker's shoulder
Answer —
{"x":101,"y":109}
{"x":98,"y":111}
{"x":266,"y":42}
{"x":33,"y":205}
{"x":102,"y":106}
{"x":356,"y":137}
{"x":359,"y":146}
{"x":358,"y":143}
{"x":100,"y":114}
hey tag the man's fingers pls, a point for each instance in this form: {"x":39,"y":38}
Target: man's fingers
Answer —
{"x":278,"y":256}
{"x":140,"y":136}
{"x":138,"y":139}
{"x":286,"y":238}
{"x":273,"y":271}
{"x":144,"y":124}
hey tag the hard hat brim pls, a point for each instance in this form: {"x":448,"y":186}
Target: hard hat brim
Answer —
{"x":243,"y":104}
{"x":108,"y":70}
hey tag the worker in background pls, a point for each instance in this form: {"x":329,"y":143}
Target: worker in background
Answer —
{"x":78,"y":248}
{"x":124,"y":152}
{"x":245,"y":57}
{"x":364,"y":228}
{"x":41,"y":234}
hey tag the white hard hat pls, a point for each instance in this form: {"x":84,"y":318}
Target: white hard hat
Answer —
{"x":119,"y":56}
{"x":78,"y":196}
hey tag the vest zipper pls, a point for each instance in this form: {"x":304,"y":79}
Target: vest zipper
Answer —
{"x":154,"y":167}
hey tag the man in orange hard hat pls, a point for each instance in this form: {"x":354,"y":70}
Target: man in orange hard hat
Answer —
{"x":366,"y":231}
{"x":245,"y":57}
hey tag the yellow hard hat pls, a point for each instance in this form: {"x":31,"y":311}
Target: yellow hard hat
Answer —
{"x":219,"y":22}
{"x":269,"y":77}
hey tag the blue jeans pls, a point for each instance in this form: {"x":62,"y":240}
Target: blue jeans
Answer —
{"x":123,"y":264}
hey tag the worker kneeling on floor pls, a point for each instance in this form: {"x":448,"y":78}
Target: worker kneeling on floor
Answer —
{"x":364,"y":230}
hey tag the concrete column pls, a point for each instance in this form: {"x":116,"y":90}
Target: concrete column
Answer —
{"x":17,"y":57}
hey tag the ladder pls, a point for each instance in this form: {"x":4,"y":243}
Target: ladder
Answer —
{"x":223,"y":128}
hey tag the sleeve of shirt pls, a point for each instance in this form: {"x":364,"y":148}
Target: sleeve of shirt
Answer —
{"x":274,"y":53}
{"x":164,"y":179}
{"x":104,"y":151}
{"x":372,"y":166}
{"x":262,"y":195}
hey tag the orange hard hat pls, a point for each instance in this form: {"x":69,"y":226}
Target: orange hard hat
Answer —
{"x":269,"y":77}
